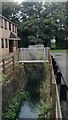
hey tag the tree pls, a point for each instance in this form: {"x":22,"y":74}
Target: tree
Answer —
{"x":11,"y":11}
{"x":31,"y":9}
{"x":42,"y":21}
{"x":37,"y":22}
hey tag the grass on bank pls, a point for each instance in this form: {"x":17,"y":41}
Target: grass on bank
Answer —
{"x":59,"y":51}
{"x":2,"y":76}
{"x":45,"y":99}
{"x":11,"y":112}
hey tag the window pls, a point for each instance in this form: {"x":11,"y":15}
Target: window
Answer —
{"x":16,"y":44}
{"x":13,"y":28}
{"x":13,"y":43}
{"x":9,"y":26}
{"x":1,"y":22}
{"x":2,"y":40}
{"x":6,"y":43}
{"x":5,"y":24}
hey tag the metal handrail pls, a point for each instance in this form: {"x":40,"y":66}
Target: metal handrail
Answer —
{"x":62,"y":75}
{"x":58,"y":106}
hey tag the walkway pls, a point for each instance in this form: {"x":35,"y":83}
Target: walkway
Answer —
{"x":62,"y":61}
{"x":32,"y":61}
{"x":33,"y":55}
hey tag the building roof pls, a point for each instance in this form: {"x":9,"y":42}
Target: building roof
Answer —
{"x":13,"y":37}
{"x":7,"y":19}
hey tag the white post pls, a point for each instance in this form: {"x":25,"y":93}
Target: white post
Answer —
{"x":44,"y":54}
{"x":22,"y":54}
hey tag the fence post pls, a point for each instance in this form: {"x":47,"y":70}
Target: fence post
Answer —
{"x":53,"y":100}
{"x":50,"y":67}
{"x":3,"y":60}
{"x":18,"y":55}
{"x":44,"y":54}
{"x":49,"y":57}
{"x":50,"y":80}
{"x":67,"y":104}
{"x":13,"y":61}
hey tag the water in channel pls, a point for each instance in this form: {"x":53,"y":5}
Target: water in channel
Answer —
{"x":30,"y":107}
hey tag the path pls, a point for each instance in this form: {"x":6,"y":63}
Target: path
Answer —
{"x":62,"y":61}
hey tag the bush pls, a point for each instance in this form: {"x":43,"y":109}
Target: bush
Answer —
{"x":13,"y":108}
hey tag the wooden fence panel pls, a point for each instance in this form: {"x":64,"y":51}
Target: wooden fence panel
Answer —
{"x":9,"y":62}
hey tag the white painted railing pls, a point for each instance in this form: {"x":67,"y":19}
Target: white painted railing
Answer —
{"x":35,"y":53}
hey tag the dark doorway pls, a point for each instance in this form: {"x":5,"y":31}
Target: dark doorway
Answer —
{"x":16,"y":44}
{"x":10,"y":46}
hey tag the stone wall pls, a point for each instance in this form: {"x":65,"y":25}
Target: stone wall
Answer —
{"x":20,"y":76}
{"x":12,"y":85}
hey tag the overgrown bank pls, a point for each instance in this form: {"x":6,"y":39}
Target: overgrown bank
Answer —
{"x":38,"y":76}
{"x":45,"y":98}
{"x":11,"y":86}
{"x":11,"y":112}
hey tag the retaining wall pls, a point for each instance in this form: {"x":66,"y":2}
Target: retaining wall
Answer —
{"x":12,"y":85}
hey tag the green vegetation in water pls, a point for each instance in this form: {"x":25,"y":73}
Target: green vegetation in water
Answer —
{"x":11,"y":111}
{"x":44,"y":108}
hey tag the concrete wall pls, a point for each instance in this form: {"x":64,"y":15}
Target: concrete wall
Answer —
{"x":5,"y":33}
{"x":14,"y":49}
{"x":5,"y":51}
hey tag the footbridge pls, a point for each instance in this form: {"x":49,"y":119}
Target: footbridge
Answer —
{"x":33,"y":55}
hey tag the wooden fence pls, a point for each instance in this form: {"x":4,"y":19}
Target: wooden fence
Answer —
{"x":56,"y":107}
{"x":9,"y":62}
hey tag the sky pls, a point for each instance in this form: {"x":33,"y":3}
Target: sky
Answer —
{"x":19,"y":1}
